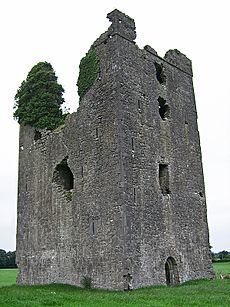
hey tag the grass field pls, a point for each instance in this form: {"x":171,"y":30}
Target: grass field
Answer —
{"x":222,"y":267}
{"x":8,"y":277}
{"x":196,"y":293}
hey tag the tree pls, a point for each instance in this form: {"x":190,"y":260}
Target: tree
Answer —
{"x":224,"y":255}
{"x":39,"y":99}
{"x":3,"y":258}
{"x":7,"y":259}
{"x":11,"y":256}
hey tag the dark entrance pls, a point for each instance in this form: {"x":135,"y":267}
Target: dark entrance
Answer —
{"x":171,"y":272}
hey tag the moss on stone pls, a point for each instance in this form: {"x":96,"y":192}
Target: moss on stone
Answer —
{"x":89,"y":69}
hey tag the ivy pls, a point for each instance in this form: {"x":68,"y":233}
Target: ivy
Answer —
{"x":88,"y":70}
{"x":39,"y":99}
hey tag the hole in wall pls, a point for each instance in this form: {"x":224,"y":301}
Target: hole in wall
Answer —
{"x":161,"y":78}
{"x":63,"y":176}
{"x":37,"y":135}
{"x":164,"y":110}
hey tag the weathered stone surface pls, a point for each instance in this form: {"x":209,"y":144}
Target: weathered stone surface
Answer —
{"x":118,"y":225}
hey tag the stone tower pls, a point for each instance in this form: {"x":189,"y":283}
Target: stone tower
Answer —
{"x":116,"y":195}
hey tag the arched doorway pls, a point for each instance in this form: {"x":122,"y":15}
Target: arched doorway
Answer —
{"x":171,"y":272}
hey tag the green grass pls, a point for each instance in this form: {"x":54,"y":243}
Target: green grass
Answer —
{"x":8,"y":277}
{"x":222,"y":267}
{"x":195,"y":293}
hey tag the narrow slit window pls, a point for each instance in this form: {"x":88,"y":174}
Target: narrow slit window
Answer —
{"x":164,"y":178}
{"x":132,"y":141}
{"x":187,"y":132}
{"x":134,"y":194}
{"x":163,"y":108}
{"x":92,"y":226}
{"x":96,"y":133}
{"x":161,"y":78}
{"x":139,"y":105}
{"x":82,"y":172}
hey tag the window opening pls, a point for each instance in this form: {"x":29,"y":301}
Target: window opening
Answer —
{"x":37,"y":135}
{"x":164,"y":178}
{"x":132,"y":144}
{"x":201,"y":194}
{"x":96,"y":133}
{"x":134,"y":194}
{"x":163,"y":108}
{"x":139,"y":105}
{"x":92,"y":226}
{"x":186,"y":132}
{"x":161,"y":78}
{"x":63,"y":176}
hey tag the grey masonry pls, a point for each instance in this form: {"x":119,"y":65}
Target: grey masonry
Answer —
{"x":116,"y":195}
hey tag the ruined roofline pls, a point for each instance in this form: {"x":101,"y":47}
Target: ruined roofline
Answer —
{"x":168,"y":58}
{"x":124,"y":26}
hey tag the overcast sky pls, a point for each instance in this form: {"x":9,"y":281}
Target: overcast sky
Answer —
{"x":61,"y":32}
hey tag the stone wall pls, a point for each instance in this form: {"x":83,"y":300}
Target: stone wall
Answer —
{"x":137,"y":196}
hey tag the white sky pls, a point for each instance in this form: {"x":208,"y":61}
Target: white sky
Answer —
{"x":61,"y":32}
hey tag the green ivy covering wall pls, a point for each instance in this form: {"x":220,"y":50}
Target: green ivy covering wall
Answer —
{"x":88,"y":70}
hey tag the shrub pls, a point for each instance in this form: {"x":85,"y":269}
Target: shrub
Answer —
{"x":39,"y":99}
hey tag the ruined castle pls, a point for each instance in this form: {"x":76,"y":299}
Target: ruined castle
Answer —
{"x":116,"y":196}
